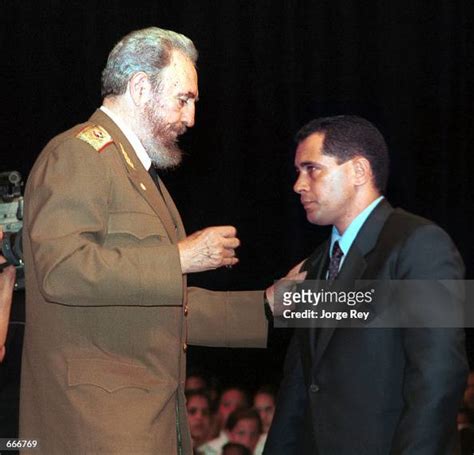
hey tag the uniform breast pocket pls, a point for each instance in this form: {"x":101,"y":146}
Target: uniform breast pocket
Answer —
{"x":135,"y":228}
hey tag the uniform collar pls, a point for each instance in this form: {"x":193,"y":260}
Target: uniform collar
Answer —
{"x":131,"y":137}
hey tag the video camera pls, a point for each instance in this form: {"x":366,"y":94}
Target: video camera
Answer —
{"x":11,"y":222}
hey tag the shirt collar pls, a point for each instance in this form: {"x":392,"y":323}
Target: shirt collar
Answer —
{"x":347,"y":239}
{"x":131,"y":137}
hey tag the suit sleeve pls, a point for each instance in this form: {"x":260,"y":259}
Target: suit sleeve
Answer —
{"x":66,"y":220}
{"x":436,"y":368}
{"x":226,"y":319}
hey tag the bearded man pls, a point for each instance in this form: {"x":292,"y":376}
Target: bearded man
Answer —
{"x":109,"y":314}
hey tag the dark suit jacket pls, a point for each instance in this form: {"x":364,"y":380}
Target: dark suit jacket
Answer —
{"x":369,"y":390}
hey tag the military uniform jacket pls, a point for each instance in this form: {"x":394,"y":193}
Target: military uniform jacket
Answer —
{"x":108,"y":311}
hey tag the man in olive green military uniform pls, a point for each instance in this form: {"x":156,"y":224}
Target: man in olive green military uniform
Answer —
{"x":109,"y":315}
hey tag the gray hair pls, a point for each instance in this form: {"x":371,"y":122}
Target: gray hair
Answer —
{"x":148,"y":50}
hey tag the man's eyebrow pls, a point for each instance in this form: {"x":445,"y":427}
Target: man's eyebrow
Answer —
{"x":190,"y":95}
{"x":307,"y":163}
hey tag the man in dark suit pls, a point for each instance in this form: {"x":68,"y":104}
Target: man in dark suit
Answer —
{"x":367,"y":391}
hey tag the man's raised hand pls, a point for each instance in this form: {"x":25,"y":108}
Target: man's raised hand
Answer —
{"x":209,"y":249}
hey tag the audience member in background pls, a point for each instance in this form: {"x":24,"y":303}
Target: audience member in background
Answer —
{"x":199,"y":416}
{"x":233,"y":448}
{"x":468,"y":398}
{"x":214,"y":391}
{"x":7,"y":281}
{"x":264,"y":403}
{"x":466,"y":431}
{"x":244,"y":427}
{"x":195,"y":381}
{"x":464,"y":419}
{"x":232,"y":398}
{"x":200,"y":380}
{"x":465,"y":416}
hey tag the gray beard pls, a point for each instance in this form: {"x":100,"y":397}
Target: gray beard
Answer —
{"x":163,"y":156}
{"x":154,"y":134}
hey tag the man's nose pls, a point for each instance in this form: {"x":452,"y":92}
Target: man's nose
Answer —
{"x":300,"y":184}
{"x":188,"y":114}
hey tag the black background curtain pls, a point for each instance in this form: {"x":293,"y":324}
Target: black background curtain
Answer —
{"x":265,"y":68}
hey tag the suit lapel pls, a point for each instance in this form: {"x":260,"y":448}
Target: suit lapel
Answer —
{"x":315,"y":265}
{"x":140,"y":178}
{"x":354,"y":266}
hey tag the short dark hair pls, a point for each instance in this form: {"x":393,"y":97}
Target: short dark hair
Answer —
{"x":198,"y":393}
{"x":267,"y":389}
{"x":234,"y":446}
{"x":348,"y":136}
{"x":239,"y":389}
{"x":241,"y":414}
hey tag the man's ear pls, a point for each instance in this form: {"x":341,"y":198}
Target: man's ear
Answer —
{"x":139,"y":87}
{"x":362,"y":170}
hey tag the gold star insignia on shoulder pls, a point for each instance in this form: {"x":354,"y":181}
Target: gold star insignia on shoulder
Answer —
{"x":96,"y":136}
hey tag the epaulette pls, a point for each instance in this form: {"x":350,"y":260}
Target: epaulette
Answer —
{"x":96,"y":136}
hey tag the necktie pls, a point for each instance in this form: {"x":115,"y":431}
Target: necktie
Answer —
{"x":333,"y":270}
{"x":335,"y":261}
